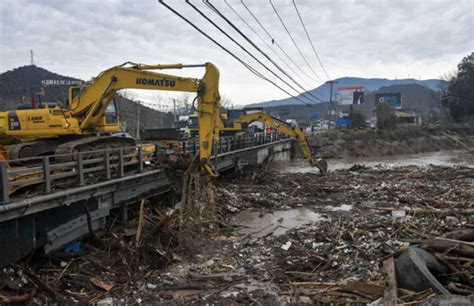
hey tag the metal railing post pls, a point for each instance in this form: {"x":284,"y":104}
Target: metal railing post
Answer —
{"x":47,"y":174}
{"x":140,"y":159}
{"x":107,"y":164}
{"x":4,"y":192}
{"x":80,"y":168}
{"x":120,"y":163}
{"x":157,"y":150}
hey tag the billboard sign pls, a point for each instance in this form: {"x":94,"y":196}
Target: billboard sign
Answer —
{"x":350,"y":95}
{"x":61,"y":82}
{"x":393,"y":98}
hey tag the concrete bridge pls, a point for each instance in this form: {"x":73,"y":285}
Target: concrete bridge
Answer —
{"x":46,"y":204}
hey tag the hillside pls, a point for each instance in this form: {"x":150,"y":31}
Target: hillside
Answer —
{"x":17,"y":86}
{"x":370,"y":85}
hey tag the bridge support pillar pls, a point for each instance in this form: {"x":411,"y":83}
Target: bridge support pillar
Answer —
{"x":4,"y":192}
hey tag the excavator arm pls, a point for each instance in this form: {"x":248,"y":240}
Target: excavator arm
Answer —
{"x":289,"y":130}
{"x":94,"y":97}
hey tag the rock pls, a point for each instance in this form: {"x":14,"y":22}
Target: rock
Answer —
{"x":450,"y":300}
{"x":414,"y":271}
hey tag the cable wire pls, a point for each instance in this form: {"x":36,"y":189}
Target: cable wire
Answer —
{"x":310,"y":41}
{"x":243,"y":48}
{"x":274,"y":41}
{"x":250,"y":68}
{"x":305,"y":91}
{"x":266,"y":44}
{"x":293,"y":40}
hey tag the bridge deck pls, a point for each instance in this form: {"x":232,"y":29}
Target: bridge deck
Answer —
{"x":43,"y":201}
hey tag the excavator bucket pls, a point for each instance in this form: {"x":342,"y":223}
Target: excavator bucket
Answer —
{"x":321,"y":164}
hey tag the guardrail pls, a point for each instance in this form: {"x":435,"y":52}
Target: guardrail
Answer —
{"x":48,"y":170}
{"x":51,"y":171}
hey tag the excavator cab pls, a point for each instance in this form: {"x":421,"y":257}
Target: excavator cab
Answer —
{"x":73,"y":92}
{"x":110,"y":114}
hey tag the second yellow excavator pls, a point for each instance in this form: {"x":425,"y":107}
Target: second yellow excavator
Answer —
{"x":284,"y":128}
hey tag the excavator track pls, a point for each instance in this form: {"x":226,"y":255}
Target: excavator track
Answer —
{"x":66,"y":151}
{"x":31,"y":149}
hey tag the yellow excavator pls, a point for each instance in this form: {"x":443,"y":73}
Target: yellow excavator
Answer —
{"x":88,"y":120}
{"x":285,"y":128}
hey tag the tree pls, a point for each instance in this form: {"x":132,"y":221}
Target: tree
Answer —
{"x":386,"y":118}
{"x":458,"y":98}
{"x":357,"y":119}
{"x":184,"y":103}
{"x":226,"y":102}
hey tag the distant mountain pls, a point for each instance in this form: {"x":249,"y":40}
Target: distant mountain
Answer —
{"x":17,"y":86}
{"x":370,"y":85}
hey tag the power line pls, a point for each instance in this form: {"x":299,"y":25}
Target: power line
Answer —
{"x":250,"y":68}
{"x":243,"y":48}
{"x":274,"y":41}
{"x":292,"y":39}
{"x":310,"y":41}
{"x":259,"y":50}
{"x":263,"y":40}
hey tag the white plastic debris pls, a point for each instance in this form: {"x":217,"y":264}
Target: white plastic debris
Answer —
{"x":106,"y":302}
{"x":150,"y":286}
{"x":376,"y":302}
{"x":286,"y":246}
{"x":398,"y":214}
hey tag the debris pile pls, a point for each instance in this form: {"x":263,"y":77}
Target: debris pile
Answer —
{"x":280,"y":237}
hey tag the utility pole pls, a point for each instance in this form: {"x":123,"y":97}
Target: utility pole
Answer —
{"x":138,"y":119}
{"x":331,"y":107}
{"x":161,"y":113}
{"x":32,"y":62}
{"x":174,"y":112}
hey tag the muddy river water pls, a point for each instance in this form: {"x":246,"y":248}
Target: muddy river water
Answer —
{"x":276,"y":223}
{"x":440,"y":158}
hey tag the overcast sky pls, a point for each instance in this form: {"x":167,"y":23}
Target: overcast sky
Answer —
{"x":369,"y":38}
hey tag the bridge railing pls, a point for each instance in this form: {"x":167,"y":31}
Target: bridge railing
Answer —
{"x":66,"y":170}
{"x":232,"y":143}
{"x":80,"y":168}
